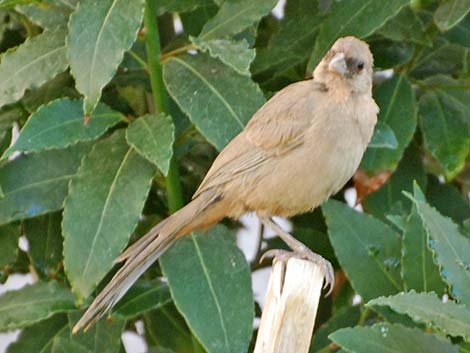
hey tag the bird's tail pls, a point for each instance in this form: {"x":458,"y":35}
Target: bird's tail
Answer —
{"x":199,"y":213}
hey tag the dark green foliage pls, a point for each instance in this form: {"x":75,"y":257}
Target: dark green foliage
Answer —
{"x":113,"y":120}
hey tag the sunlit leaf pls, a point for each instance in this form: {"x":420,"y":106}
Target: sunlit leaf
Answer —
{"x":222,"y":319}
{"x":419,"y":271}
{"x":387,"y":338}
{"x":451,"y":249}
{"x":152,"y":136}
{"x":99,"y":34}
{"x":217,"y":99}
{"x":450,"y":13}
{"x":37,"y":183}
{"x":180,"y":5}
{"x":102,"y":209}
{"x":235,"y":54}
{"x":33,"y":63}
{"x":60,"y":124}
{"x":235,"y":16}
{"x":358,"y":18}
{"x":33,"y":303}
{"x":450,"y":318}
{"x":49,"y":14}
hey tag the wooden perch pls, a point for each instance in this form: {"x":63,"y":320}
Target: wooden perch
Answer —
{"x":290,"y":308}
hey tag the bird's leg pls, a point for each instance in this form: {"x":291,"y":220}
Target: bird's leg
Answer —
{"x":299,"y":250}
{"x":259,"y":244}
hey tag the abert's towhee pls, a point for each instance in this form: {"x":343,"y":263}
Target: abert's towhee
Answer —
{"x":300,"y":147}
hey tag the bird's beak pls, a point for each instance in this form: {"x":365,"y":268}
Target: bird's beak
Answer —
{"x":338,"y":64}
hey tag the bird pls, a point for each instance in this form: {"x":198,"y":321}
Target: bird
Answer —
{"x":299,"y":148}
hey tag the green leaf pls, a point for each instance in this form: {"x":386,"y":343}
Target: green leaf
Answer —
{"x":389,"y":54}
{"x":180,"y":5}
{"x":99,"y":34}
{"x":59,"y":87}
{"x":367,"y":249}
{"x":217,"y":100}
{"x":454,"y":92}
{"x":40,"y":337}
{"x":397,"y":109}
{"x":33,"y":303}
{"x":444,"y":133}
{"x":44,"y":236}
{"x":236,"y":54}
{"x":450,"y":318}
{"x":175,"y":336}
{"x":389,"y":197}
{"x":162,"y":350}
{"x":448,"y":200}
{"x":383,"y":137}
{"x":60,"y":124}
{"x":390,"y":316}
{"x":443,"y":58}
{"x":386,"y":338}
{"x":12,"y":3}
{"x":48,"y":14}
{"x":33,"y":63}
{"x":465,"y":347}
{"x":152,"y":136}
{"x":419,"y":271}
{"x":451,"y":250}
{"x":193,"y":21}
{"x":103,"y":337}
{"x":450,"y":13}
{"x":37,"y":184}
{"x":292,"y":43}
{"x":102,"y":209}
{"x":406,"y":26}
{"x":234,"y":16}
{"x":142,"y":297}
{"x":220,"y":280}
{"x":358,"y":18}
{"x":345,"y":317}
{"x":9,"y":235}
{"x":460,"y":34}
{"x":64,"y":345}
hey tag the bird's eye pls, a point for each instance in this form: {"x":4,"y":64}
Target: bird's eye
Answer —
{"x":360,"y":66}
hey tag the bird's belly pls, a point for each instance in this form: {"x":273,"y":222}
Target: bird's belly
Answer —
{"x":305,"y":179}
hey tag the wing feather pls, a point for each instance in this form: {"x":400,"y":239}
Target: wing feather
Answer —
{"x":276,"y":128}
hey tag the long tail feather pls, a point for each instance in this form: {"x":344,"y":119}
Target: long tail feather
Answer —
{"x":142,"y":254}
{"x":142,"y":243}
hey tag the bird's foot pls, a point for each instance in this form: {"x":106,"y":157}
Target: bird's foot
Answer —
{"x":300,"y":251}
{"x":279,"y":255}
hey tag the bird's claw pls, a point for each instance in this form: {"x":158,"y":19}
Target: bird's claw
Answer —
{"x":325,"y":265}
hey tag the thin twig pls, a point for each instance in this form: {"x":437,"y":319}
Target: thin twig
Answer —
{"x":160,"y":97}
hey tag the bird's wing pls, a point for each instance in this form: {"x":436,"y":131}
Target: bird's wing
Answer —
{"x":285,"y":117}
{"x":276,"y":128}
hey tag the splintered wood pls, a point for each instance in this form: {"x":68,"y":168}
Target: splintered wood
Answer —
{"x":290,"y":308}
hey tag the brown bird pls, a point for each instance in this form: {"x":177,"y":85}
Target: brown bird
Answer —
{"x":300,"y":147}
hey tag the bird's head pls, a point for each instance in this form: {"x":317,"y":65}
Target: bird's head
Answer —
{"x":349,"y":63}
